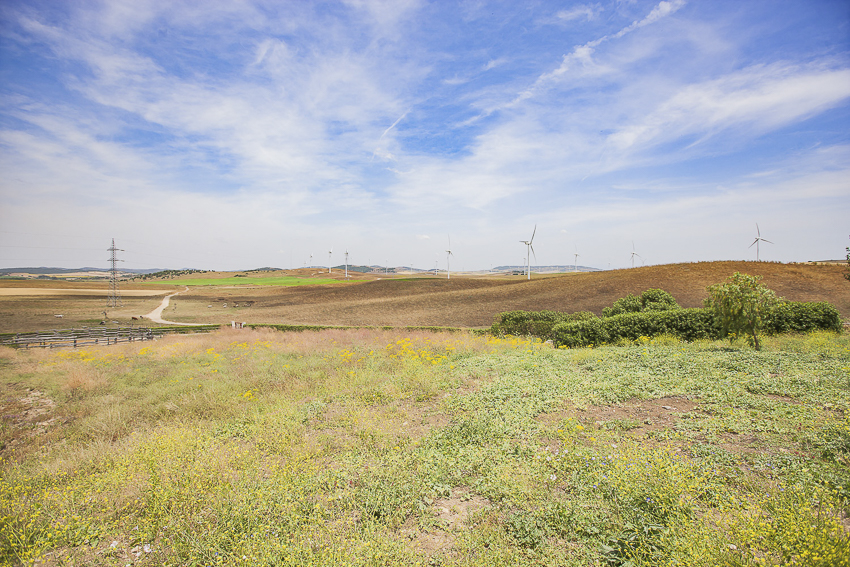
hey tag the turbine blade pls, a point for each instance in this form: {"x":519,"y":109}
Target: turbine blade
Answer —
{"x":532,"y":252}
{"x":768,"y":241}
{"x":754,"y":241}
{"x":757,"y":229}
{"x":533,"y":233}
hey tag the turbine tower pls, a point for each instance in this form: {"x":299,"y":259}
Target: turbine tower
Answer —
{"x":757,"y":240}
{"x":575,"y":267}
{"x":330,"y":253}
{"x":114,"y":298}
{"x":346,"y":263}
{"x":635,"y":254}
{"x":448,"y":253}
{"x":529,"y":251}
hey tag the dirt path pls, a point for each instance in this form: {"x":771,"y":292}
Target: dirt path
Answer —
{"x":156,"y":314}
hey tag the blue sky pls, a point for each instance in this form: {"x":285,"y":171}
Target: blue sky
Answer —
{"x":232,"y":135}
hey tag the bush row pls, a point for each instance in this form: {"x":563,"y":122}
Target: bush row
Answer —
{"x":686,"y":324}
{"x":801,"y":317}
{"x":585,"y":329}
{"x":535,"y":323}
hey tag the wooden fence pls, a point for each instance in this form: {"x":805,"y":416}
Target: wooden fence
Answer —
{"x":80,"y":337}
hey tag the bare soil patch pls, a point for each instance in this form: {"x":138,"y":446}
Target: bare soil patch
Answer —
{"x":25,"y":414}
{"x":452,"y":513}
{"x":635,"y":417}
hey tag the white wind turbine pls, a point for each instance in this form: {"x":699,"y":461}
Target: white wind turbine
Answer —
{"x":346,"y":262}
{"x":448,"y":253}
{"x":310,"y":262}
{"x":757,"y":240}
{"x":576,"y":254}
{"x":530,"y":251}
{"x":635,"y":254}
{"x":330,"y":253}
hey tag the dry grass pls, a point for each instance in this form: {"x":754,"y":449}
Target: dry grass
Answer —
{"x":474,"y":302}
{"x":428,"y":301}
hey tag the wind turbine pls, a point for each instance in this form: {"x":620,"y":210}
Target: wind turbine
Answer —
{"x":635,"y":254}
{"x":530,"y":250}
{"x":757,"y":240}
{"x":448,"y":253}
{"x":311,"y":259}
{"x":346,"y":263}
{"x":330,"y":253}
{"x":575,"y":267}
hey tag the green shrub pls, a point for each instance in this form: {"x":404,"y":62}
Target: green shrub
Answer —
{"x":534,"y":323}
{"x":741,"y":305}
{"x":685,"y":324}
{"x":802,"y":317}
{"x":692,"y":324}
{"x":650,"y":300}
{"x":629,"y":304}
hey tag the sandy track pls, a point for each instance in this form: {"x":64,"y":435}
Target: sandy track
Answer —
{"x":156,"y":314}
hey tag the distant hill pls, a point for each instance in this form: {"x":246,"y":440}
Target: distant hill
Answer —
{"x":547,"y":269}
{"x":46,"y":270}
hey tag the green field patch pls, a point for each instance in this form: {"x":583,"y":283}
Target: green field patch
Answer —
{"x":287,"y":281}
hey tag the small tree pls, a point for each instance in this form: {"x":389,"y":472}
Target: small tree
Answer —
{"x":740,"y":306}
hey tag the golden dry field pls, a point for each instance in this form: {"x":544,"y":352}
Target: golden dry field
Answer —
{"x":32,"y":305}
{"x":397,"y":300}
{"x":474,"y":301}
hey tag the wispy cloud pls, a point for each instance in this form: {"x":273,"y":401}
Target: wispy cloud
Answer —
{"x":758,"y":99}
{"x":587,"y":11}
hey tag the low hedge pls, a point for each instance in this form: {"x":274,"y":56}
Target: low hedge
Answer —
{"x":686,"y":324}
{"x":692,"y":324}
{"x":801,"y":317}
{"x":535,"y":323}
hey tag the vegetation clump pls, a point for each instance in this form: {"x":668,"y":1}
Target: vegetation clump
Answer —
{"x":740,"y":306}
{"x":650,"y":300}
{"x":534,"y":323}
{"x":169,"y":274}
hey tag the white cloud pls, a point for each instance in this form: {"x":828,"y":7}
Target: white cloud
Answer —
{"x":587,"y":11}
{"x":758,"y":99}
{"x":662,"y":10}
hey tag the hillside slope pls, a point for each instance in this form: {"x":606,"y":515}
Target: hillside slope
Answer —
{"x":473,"y":302}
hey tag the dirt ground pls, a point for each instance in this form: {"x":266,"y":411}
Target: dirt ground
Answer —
{"x":428,"y":301}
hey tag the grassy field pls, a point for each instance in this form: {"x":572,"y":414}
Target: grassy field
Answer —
{"x":379,"y":448}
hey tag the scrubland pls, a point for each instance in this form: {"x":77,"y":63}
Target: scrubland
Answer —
{"x":387,"y":448}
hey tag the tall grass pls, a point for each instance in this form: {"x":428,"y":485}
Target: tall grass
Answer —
{"x":360,"y":447}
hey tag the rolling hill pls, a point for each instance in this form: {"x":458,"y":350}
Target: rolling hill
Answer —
{"x":474,"y":302}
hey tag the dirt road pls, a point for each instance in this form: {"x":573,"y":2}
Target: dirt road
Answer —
{"x":156,"y":314}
